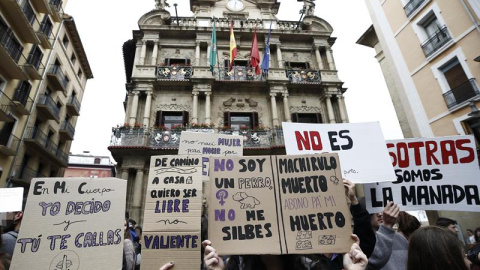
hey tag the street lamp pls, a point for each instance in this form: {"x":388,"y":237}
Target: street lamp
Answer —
{"x":475,"y":111}
{"x":176,"y":14}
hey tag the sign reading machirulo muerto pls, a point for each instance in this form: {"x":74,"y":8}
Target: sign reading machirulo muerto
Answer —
{"x":72,"y":223}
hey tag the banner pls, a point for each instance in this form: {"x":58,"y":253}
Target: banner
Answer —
{"x":173,"y":209}
{"x":432,"y":174}
{"x":361,"y":147}
{"x":278,"y":205}
{"x":74,"y":223}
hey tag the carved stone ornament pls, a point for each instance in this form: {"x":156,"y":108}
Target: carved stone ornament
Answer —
{"x":308,"y":109}
{"x":173,"y":107}
{"x":155,"y":17}
{"x":161,"y":4}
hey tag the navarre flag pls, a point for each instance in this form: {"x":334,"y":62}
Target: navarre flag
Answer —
{"x":213,"y":48}
{"x":255,"y":54}
{"x":266,"y":55}
{"x":233,"y":45}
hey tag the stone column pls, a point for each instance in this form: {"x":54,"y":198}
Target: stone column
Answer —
{"x":279,"y":57}
{"x":146,"y":114}
{"x":331,"y":115}
{"x":331,"y":63}
{"x":319,"y":57}
{"x":154,"y":53}
{"x":127,"y":111}
{"x":137,"y":195}
{"x":197,"y":53}
{"x":133,"y":111}
{"x":286,"y":107}
{"x":195,"y":107}
{"x":343,"y":109}
{"x":125,"y":174}
{"x":274,"y":109}
{"x":143,"y":53}
{"x":208,"y":117}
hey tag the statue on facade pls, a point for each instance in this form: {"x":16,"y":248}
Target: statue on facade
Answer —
{"x":309,"y":7}
{"x":161,"y":4}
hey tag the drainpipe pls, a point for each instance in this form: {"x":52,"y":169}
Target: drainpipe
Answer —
{"x":470,"y":15}
{"x":8,"y":182}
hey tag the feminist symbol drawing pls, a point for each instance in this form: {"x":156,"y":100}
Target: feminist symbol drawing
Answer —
{"x":67,"y":260}
{"x":222,"y":194}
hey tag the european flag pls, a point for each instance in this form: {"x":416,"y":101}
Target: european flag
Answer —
{"x":266,"y":54}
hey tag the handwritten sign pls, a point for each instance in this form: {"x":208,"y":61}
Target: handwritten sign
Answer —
{"x":432,"y":174}
{"x":278,"y":205}
{"x":173,"y":205}
{"x":361,"y":147}
{"x":74,"y":223}
{"x":11,"y":199}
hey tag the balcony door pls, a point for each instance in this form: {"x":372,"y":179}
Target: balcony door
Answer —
{"x":457,"y":80}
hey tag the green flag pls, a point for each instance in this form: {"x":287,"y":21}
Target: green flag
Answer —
{"x":213,"y":48}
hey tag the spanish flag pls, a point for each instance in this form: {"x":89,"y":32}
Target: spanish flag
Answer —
{"x":233,"y":46}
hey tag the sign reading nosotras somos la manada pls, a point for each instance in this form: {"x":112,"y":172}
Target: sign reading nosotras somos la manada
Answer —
{"x":72,"y":223}
{"x":278,"y":205}
{"x":432,"y":174}
{"x":173,"y":208}
{"x":361,"y":147}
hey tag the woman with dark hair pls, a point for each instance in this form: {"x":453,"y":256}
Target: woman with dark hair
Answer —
{"x":474,"y":252}
{"x":407,"y":224}
{"x":436,"y":248}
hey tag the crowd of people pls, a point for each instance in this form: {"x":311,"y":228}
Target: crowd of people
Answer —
{"x":390,"y":240}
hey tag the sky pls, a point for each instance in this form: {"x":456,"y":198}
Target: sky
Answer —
{"x":106,"y":24}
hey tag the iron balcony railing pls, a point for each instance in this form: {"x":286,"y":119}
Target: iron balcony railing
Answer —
{"x":51,"y":105}
{"x":24,"y":173}
{"x":57,"y":4}
{"x":57,"y":70}
{"x":37,"y":135}
{"x":5,"y":102}
{"x":74,"y":102}
{"x":11,"y":45}
{"x":68,"y":127}
{"x":47,"y":29}
{"x":237,"y":73}
{"x":170,"y":139}
{"x":62,"y":156}
{"x":436,"y":41}
{"x":22,"y":96}
{"x":174,"y":72}
{"x":29,"y":13}
{"x":303,"y":76}
{"x":9,"y":140}
{"x":35,"y":59}
{"x":412,"y":5}
{"x":461,"y":93}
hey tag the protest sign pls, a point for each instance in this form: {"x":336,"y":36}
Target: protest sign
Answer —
{"x":11,"y":199}
{"x":278,"y":205}
{"x":432,"y":174}
{"x":173,"y":209}
{"x":361,"y":147}
{"x":74,"y":223}
{"x":197,"y":143}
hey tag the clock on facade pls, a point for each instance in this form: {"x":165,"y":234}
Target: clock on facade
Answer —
{"x":235,"y":5}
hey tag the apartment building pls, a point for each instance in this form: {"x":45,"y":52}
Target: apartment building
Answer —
{"x":43,"y":74}
{"x":429,"y":54}
{"x":87,"y":165}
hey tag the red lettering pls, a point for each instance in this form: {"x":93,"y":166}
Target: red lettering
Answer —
{"x":431,"y":147}
{"x":316,"y":140}
{"x":302,"y":141}
{"x":416,"y":151}
{"x":450,"y":152}
{"x":471,"y":152}
{"x":392,"y":154}
{"x":403,"y":160}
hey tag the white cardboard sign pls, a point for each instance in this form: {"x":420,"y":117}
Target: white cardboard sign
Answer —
{"x":11,"y":199}
{"x":360,"y":146}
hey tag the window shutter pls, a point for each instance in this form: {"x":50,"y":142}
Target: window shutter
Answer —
{"x":295,"y":117}
{"x":319,"y":118}
{"x":186,"y":118}
{"x":226,"y":119}
{"x":6,"y":132}
{"x":158,"y":121}
{"x":254,"y":120}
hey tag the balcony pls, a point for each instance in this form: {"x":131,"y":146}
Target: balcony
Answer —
{"x":461,"y":93}
{"x":22,"y":19}
{"x":5,"y":108}
{"x":436,"y":41}
{"x":174,"y":73}
{"x":57,"y":11}
{"x":24,"y":174}
{"x":66,"y":131}
{"x":45,"y":35}
{"x":34,"y":67}
{"x":9,"y":144}
{"x":57,"y":78}
{"x":238,"y":73}
{"x":41,"y":6}
{"x":170,"y":139}
{"x":39,"y":142}
{"x":304,"y":76}
{"x":412,"y":6}
{"x":10,"y":55}
{"x":47,"y":109}
{"x":73,"y":106}
{"x":22,"y":103}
